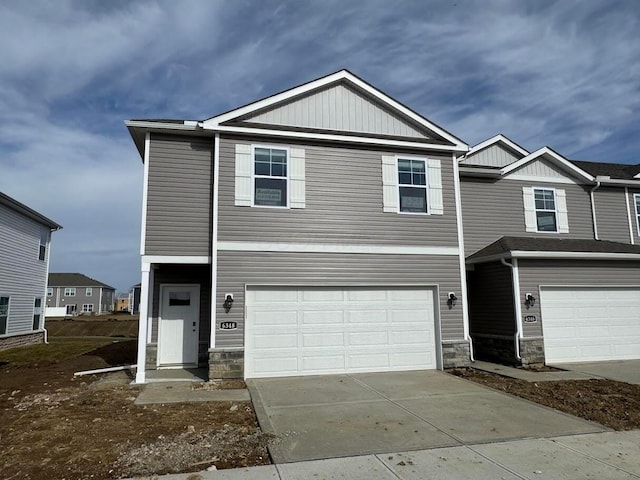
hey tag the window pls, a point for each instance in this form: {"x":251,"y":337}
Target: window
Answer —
{"x":545,"y":210}
{"x":37,"y":313}
{"x":88,"y":292}
{"x":69,"y":292}
{"x":49,"y":292}
{"x":270,"y":177}
{"x":44,"y":238}
{"x":87,"y":307}
{"x":4,"y":314}
{"x":412,"y":185}
{"x":636,"y":198}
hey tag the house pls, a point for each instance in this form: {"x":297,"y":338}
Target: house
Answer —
{"x":122,"y":303}
{"x":331,"y":229}
{"x":277,"y":240}
{"x":77,"y":294}
{"x":134,"y":299}
{"x":553,"y":255}
{"x":25,"y":237}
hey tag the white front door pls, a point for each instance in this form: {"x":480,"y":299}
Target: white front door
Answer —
{"x":178,"y":326}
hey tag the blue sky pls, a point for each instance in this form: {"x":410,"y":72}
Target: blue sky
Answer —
{"x":564,"y":74}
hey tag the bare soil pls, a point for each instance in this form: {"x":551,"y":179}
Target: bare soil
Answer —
{"x":55,"y":425}
{"x":613,"y":404}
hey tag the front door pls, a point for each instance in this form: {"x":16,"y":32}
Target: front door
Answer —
{"x":179,"y":322}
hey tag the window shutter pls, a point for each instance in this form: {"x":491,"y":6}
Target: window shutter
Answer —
{"x":561,"y":209}
{"x":389,"y":184}
{"x":434,"y":177}
{"x":244,"y":166}
{"x":531,"y":225}
{"x":296,"y":177}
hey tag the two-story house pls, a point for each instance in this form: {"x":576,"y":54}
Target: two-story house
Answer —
{"x":552,"y":255}
{"x":25,"y":237}
{"x":77,"y":294}
{"x":315,"y":231}
{"x":320,"y":230}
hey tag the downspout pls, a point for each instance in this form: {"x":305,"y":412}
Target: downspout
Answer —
{"x":626,"y":202}
{"x":516,"y":299}
{"x":593,"y":209}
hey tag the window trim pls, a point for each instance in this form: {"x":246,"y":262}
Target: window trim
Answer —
{"x":70,"y":289}
{"x":49,"y":291}
{"x":555,"y":210}
{"x":42,"y":254}
{"x":8,"y":314}
{"x":87,"y":310}
{"x":287,"y":178}
{"x":636,"y":204}
{"x":425,"y":160}
{"x":38,"y":314}
{"x":88,"y":292}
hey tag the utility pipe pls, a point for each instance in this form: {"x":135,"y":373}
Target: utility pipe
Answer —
{"x":516,"y":299}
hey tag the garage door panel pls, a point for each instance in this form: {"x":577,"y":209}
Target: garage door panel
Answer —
{"x":340,"y":330}
{"x":590,"y":323}
{"x":256,"y":297}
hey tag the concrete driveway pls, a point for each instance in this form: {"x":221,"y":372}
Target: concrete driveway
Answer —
{"x":620,"y":370}
{"x":319,"y":417}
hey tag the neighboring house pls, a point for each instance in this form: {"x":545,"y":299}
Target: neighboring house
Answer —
{"x":320,"y":230}
{"x":286,"y":216}
{"x":553,"y":255}
{"x":25,"y":238}
{"x":77,"y":294}
{"x":134,"y":299}
{"x":122,"y":303}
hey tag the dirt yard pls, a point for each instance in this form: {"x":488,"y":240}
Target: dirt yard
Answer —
{"x":55,"y":425}
{"x":613,"y":404}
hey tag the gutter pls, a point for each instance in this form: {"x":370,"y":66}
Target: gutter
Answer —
{"x":516,"y":300}
{"x":593,"y":208}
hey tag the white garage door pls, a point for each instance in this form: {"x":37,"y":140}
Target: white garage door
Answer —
{"x":590,"y":324}
{"x":306,"y":331}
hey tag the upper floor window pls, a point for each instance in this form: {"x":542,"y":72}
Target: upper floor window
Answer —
{"x":44,"y":238}
{"x":37,"y":313}
{"x":270,"y":177}
{"x":636,"y":197}
{"x":4,"y":314}
{"x":69,"y":292}
{"x":412,"y":185}
{"x":545,"y":210}
{"x":49,"y":292}
{"x":88,"y":291}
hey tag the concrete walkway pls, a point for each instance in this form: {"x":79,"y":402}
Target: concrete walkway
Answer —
{"x":528,"y":375}
{"x":610,"y":455}
{"x":620,"y":370}
{"x":182,"y":392}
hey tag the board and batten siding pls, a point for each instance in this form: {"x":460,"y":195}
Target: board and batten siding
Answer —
{"x":339,"y":107}
{"x":344,"y":203}
{"x":492,"y":156}
{"x":23,"y":277}
{"x":594,"y":273}
{"x":494,"y":208}
{"x":179,"y":196}
{"x":491,"y":306}
{"x":237,"y":269}
{"x":611,"y":214}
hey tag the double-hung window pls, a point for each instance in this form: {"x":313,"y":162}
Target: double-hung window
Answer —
{"x":270,"y":177}
{"x":412,"y":185}
{"x":69,"y":292}
{"x":88,"y":291}
{"x":636,"y":198}
{"x":545,"y":203}
{"x":4,"y":314}
{"x":37,"y":313}
{"x":49,"y":292}
{"x":44,"y":238}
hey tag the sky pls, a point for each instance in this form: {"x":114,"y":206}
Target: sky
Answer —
{"x":564,"y":74}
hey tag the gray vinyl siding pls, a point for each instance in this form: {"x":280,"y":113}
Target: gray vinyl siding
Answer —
{"x":635,"y":226}
{"x":237,"y":269}
{"x":341,"y":108}
{"x":491,"y":307}
{"x":81,"y":298}
{"x":494,"y":208}
{"x":492,"y":156}
{"x":534,"y":273}
{"x":23,"y":277}
{"x":193,"y":274}
{"x":611,"y":214}
{"x":179,"y":196}
{"x":343,"y":203}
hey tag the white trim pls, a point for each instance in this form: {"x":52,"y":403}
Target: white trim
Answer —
{"x":560,"y":160}
{"x":286,"y":178}
{"x":461,"y":257}
{"x":535,"y":178}
{"x":339,"y":138}
{"x":145,"y":194}
{"x":214,"y":240}
{"x":161,"y":289}
{"x":160,"y":125}
{"x":555,"y":255}
{"x":4,"y":295}
{"x":515,"y":283}
{"x":555,"y":209}
{"x":334,"y":248}
{"x":181,"y":259}
{"x":588,"y":285}
{"x":425,"y":187}
{"x":493,"y":140}
{"x":70,"y":289}
{"x":99,"y":304}
{"x":143,"y":323}
{"x":329,"y":79}
{"x":636,"y":198}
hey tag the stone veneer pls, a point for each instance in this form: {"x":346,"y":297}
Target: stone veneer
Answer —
{"x":532,"y":350}
{"x":455,"y":354}
{"x":21,"y":340}
{"x":226,"y":363}
{"x":152,"y":356}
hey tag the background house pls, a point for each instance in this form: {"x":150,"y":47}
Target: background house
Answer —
{"x":122,"y":303}
{"x":76,"y":294}
{"x":25,"y":236}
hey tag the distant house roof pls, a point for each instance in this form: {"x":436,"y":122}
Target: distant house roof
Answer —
{"x":613,"y":170}
{"x":529,"y":247}
{"x":29,"y":212}
{"x":74,"y":280}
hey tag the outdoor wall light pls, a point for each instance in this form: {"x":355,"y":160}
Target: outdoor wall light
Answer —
{"x":529,"y":300}
{"x":452,"y":301}
{"x":228,"y":301}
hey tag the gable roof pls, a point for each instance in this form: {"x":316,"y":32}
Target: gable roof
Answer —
{"x":614,"y":170}
{"x":496,"y":140}
{"x":74,"y":280}
{"x":539,"y":247}
{"x":555,"y":157}
{"x":28,"y":212}
{"x":232,"y":119}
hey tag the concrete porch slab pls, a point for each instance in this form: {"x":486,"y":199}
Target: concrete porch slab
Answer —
{"x":181,"y":392}
{"x":620,"y":370}
{"x":528,"y":375}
